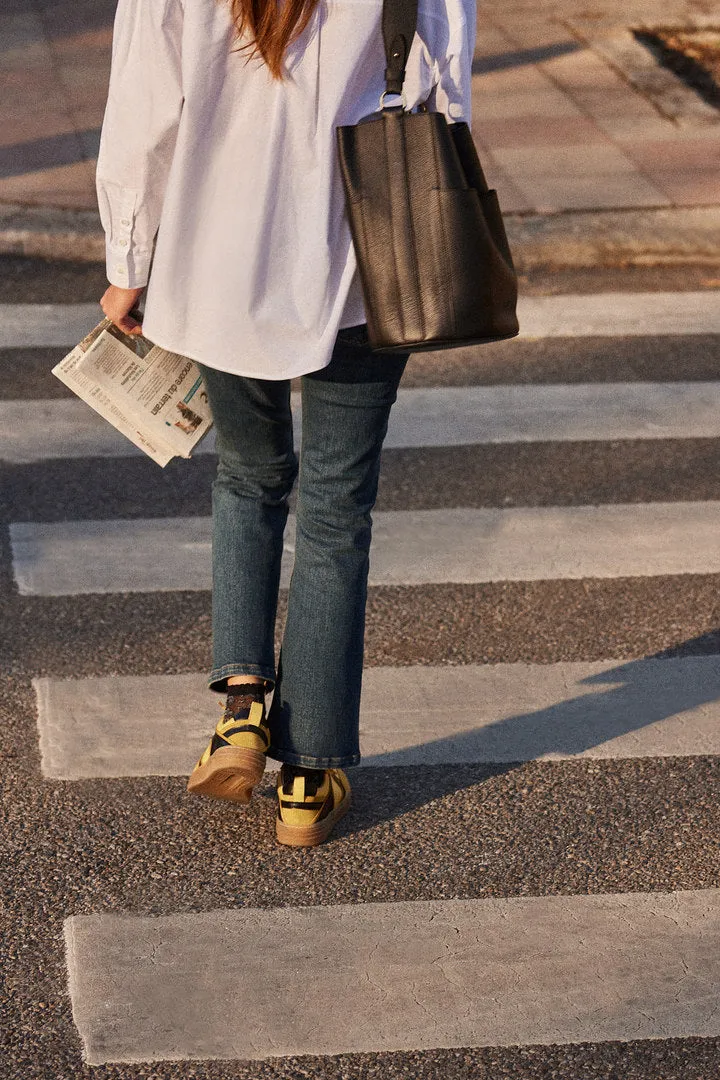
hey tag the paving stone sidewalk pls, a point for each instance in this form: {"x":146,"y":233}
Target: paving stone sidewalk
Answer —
{"x":571,"y":113}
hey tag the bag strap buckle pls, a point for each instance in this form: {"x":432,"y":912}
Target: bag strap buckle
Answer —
{"x":393,"y":93}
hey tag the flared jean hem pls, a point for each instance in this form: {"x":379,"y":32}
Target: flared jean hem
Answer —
{"x":287,"y":757}
{"x":218,"y":676}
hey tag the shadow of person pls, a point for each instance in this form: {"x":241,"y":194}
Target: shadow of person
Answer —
{"x":659,"y":706}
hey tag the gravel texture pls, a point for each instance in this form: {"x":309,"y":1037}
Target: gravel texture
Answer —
{"x":26,"y":373}
{"x":45,"y":281}
{"x":533,"y":622}
{"x":26,"y":280}
{"x":550,"y":474}
{"x":571,"y":360}
{"x":531,"y":474}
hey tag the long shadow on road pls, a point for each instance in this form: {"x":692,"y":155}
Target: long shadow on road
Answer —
{"x":607,"y":719}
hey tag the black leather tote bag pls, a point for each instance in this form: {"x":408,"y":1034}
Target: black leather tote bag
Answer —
{"x":433,"y":258}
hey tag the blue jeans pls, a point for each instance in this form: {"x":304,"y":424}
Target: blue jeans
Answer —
{"x":314,"y":716}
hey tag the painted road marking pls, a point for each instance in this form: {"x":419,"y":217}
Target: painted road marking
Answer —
{"x":417,"y":547}
{"x":617,"y":314}
{"x":116,"y":726}
{"x":613,"y":314}
{"x":410,"y":976}
{"x":441,"y":416}
{"x":36,"y":326}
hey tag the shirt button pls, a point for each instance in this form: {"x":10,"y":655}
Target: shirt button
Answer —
{"x":121,"y":270}
{"x":123,"y":243}
{"x":125,"y":221}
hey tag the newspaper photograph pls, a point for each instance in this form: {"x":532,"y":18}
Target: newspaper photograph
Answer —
{"x":154,"y":397}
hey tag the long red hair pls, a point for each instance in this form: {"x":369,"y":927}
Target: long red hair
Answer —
{"x":272,"y":27}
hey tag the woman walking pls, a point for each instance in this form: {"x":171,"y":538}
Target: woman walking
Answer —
{"x":220,"y":192}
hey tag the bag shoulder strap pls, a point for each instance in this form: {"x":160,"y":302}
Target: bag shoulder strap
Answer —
{"x":399,"y":22}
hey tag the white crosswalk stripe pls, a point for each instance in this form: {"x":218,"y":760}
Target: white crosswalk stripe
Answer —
{"x":413,"y":975}
{"x":117,"y":726}
{"x":415,"y":547}
{"x":444,"y":416}
{"x":611,"y":314}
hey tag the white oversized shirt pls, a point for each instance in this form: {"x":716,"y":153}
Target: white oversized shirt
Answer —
{"x":228,"y":181}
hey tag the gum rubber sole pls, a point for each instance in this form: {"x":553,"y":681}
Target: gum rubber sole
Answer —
{"x":311,"y":835}
{"x":230,"y":773}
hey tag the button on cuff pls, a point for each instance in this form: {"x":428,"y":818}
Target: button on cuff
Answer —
{"x":126,"y":268}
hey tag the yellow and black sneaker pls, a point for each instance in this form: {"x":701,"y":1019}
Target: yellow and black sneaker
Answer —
{"x":310,"y":802}
{"x":234,"y":760}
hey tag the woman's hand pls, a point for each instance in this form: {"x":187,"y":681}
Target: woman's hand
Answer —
{"x":117,"y":302}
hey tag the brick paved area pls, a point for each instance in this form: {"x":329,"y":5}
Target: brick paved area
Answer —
{"x":556,"y":115}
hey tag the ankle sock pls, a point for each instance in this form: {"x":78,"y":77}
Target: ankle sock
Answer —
{"x":252,"y":689}
{"x":240,"y":696}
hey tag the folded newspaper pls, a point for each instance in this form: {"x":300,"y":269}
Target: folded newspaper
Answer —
{"x":154,"y":397}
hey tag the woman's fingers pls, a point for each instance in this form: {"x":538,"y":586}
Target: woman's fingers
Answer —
{"x":128,"y":325}
{"x":117,"y":303}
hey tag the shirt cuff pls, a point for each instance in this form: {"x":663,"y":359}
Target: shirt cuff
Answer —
{"x":126,"y":268}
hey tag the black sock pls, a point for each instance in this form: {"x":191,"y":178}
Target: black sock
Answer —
{"x":248,"y":689}
{"x":241,"y":696}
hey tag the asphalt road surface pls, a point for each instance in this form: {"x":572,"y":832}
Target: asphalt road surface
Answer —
{"x":583,"y":886}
